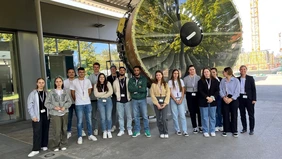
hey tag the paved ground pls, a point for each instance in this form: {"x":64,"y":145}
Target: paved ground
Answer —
{"x":15,"y":139}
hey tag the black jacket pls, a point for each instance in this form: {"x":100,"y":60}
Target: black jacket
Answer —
{"x":250,"y":87}
{"x":204,"y":92}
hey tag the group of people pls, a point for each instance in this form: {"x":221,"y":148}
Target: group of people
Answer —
{"x":211,"y":100}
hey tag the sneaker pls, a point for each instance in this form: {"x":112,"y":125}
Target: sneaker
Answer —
{"x":120,"y":133}
{"x":166,"y":136}
{"x":44,"y":148}
{"x":200,"y":129}
{"x":68,"y":135}
{"x":220,"y":128}
{"x":162,"y":136}
{"x":33,"y":153}
{"x":83,"y":133}
{"x":129,"y":132}
{"x":195,"y":131}
{"x":64,"y":148}
{"x":216,"y":129}
{"x":92,"y":138}
{"x":56,"y":150}
{"x":113,"y":128}
{"x":185,"y":134}
{"x":79,"y":140}
{"x":213,"y":134}
{"x":243,"y":131}
{"x":235,"y":134}
{"x":224,"y":134}
{"x":95,"y":132}
{"x":251,"y":132}
{"x":135,"y":134}
{"x":147,"y":133}
{"x":109,"y":135}
{"x":206,"y":135}
{"x":104,"y":134}
{"x":178,"y":133}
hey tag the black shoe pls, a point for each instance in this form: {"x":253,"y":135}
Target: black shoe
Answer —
{"x":200,"y":129}
{"x":251,"y":132}
{"x":243,"y":131}
{"x":186,"y":134}
{"x":235,"y":134}
{"x":195,"y":131}
{"x":224,"y":134}
{"x":178,"y":133}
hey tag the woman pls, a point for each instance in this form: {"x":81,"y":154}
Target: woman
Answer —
{"x":58,"y":101}
{"x":208,"y":89}
{"x":39,"y":115}
{"x":160,"y":94}
{"x":229,"y":91}
{"x":103,"y":91}
{"x":177,"y":89}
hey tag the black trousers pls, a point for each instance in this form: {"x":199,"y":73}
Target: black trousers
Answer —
{"x":114,"y":110}
{"x":194,"y":109}
{"x":243,"y":105}
{"x":40,"y":132}
{"x":162,"y":119}
{"x":230,"y":116}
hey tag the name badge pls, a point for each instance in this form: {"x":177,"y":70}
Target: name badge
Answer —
{"x":122,"y":95}
{"x":43,"y":111}
{"x":161,"y":100}
{"x":104,"y":100}
{"x":193,"y":94}
{"x":245,"y":96}
{"x":135,"y":92}
{"x":178,"y":98}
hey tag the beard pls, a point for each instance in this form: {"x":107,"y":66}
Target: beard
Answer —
{"x":121,"y":74}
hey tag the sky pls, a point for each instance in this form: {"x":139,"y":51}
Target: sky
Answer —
{"x":270,"y":20}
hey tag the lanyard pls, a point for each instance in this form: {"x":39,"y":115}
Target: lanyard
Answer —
{"x":193,"y":83}
{"x":177,"y":88}
{"x":208,"y":83}
{"x":82,"y":87}
{"x":122,"y":82}
{"x":160,"y":88}
{"x":41,"y":98}
{"x":103,"y":87}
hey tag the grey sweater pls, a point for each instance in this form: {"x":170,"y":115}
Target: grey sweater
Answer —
{"x":53,"y":99}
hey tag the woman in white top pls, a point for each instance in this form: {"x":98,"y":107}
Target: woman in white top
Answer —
{"x":177,"y":89}
{"x":103,"y":91}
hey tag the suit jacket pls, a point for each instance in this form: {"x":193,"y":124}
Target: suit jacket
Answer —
{"x":204,"y":92}
{"x":250,"y":87}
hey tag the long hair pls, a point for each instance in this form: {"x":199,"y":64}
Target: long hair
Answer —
{"x":162,"y":80}
{"x":178,"y":79}
{"x":203,"y":74}
{"x":99,"y":85}
{"x":229,"y":71}
{"x":40,"y":78}
{"x":55,"y":86}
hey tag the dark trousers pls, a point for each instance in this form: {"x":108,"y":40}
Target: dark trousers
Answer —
{"x":219,"y":112}
{"x":194,"y":109}
{"x":243,"y":105}
{"x":40,"y":132}
{"x":162,"y":119}
{"x":71,"y":110}
{"x":230,"y":114}
{"x":114,"y":110}
{"x":94,"y":115}
{"x":59,"y":125}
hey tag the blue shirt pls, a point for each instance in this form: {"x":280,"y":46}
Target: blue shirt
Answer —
{"x":232,"y":87}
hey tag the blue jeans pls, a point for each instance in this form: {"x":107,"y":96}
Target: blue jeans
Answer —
{"x":218,"y":112}
{"x":208,"y":118}
{"x":71,"y":109}
{"x":140,"y":105}
{"x":121,"y":108}
{"x":178,"y":110}
{"x":87,"y":110}
{"x":105,"y":107}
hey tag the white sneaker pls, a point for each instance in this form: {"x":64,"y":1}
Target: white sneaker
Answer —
{"x":213,"y":134}
{"x":206,"y":135}
{"x":129,"y":132}
{"x":120,"y":133}
{"x":162,"y":136}
{"x":113,"y":128}
{"x":79,"y":140}
{"x":95,"y":132}
{"x":216,"y":129}
{"x":56,"y":150}
{"x":68,"y":135}
{"x":110,"y":135}
{"x":44,"y":148}
{"x":64,"y":148}
{"x":33,"y":153}
{"x":104,"y":134}
{"x":220,"y":128}
{"x":92,"y":138}
{"x":83,"y":133}
{"x":166,"y":136}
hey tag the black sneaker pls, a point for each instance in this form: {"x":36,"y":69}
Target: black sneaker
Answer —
{"x":224,"y":134}
{"x":243,"y":131}
{"x":178,"y":133}
{"x":251,"y":132}
{"x":235,"y":134}
{"x":195,"y":131}
{"x":200,"y":129}
{"x":186,"y":134}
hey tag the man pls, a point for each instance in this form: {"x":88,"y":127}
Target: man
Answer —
{"x":111,"y":78}
{"x":120,"y":87}
{"x":94,"y":78}
{"x":67,"y":84}
{"x":137,"y":86}
{"x":80,"y":91}
{"x":247,"y":99}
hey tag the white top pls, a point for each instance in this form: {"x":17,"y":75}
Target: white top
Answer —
{"x":81,"y":91}
{"x":59,"y":92}
{"x":242,"y":85}
{"x":175,"y":91}
{"x":67,"y":85}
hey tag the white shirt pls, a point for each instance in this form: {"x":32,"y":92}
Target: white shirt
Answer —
{"x":175,"y":91}
{"x":59,"y":92}
{"x":242,"y":85}
{"x":67,"y":84}
{"x":81,"y":91}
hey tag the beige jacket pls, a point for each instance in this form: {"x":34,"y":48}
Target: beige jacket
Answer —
{"x":103,"y":94}
{"x":116,"y":87}
{"x":155,"y":92}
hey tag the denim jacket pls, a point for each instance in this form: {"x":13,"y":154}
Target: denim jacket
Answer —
{"x":53,"y":99}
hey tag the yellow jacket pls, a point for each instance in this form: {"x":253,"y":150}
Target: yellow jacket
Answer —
{"x":156,"y":91}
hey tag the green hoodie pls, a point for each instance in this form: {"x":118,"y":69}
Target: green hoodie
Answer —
{"x":138,"y":88}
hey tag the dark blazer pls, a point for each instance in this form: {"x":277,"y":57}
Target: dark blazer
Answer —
{"x":250,"y":87}
{"x":204,"y":92}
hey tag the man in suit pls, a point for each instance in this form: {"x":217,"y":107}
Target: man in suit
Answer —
{"x":247,"y":99}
